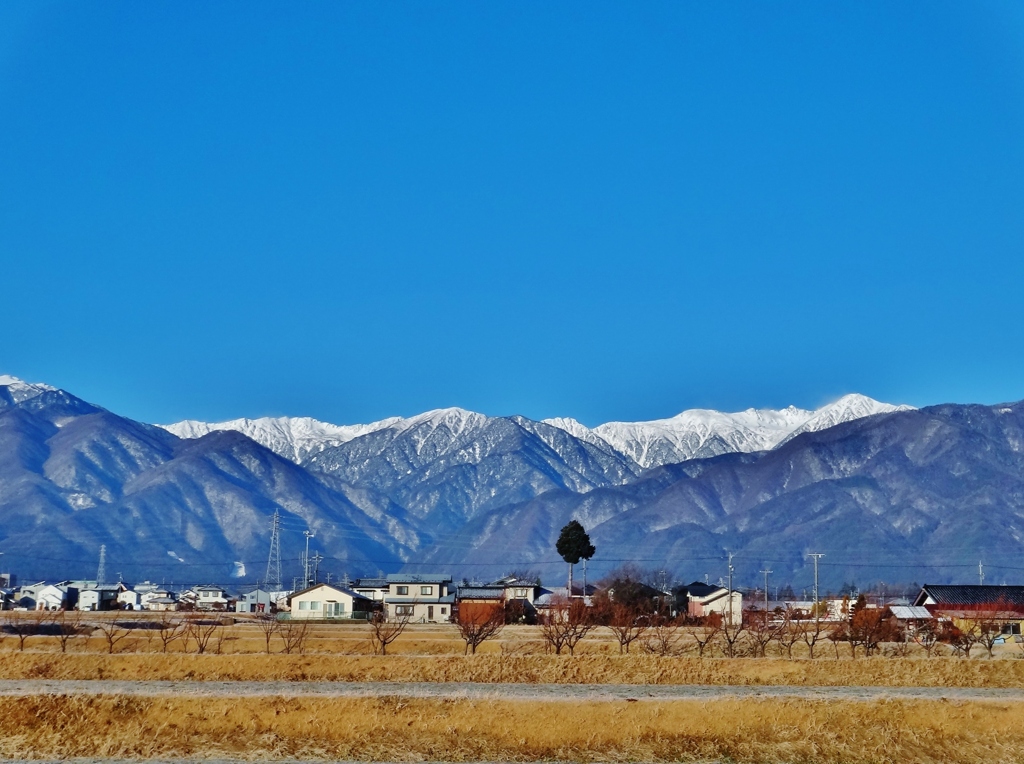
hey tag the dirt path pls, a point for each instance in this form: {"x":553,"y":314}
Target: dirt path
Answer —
{"x":531,"y":692}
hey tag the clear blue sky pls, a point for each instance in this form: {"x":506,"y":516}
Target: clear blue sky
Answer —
{"x":607,"y":211}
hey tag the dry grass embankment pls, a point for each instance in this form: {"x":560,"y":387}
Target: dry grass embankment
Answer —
{"x":395,"y":729}
{"x":581,"y":669}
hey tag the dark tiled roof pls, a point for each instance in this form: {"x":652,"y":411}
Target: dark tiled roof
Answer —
{"x":700,"y":589}
{"x":972,"y":596}
{"x":481,"y":592}
{"x":416,"y":578}
{"x":371,"y":583}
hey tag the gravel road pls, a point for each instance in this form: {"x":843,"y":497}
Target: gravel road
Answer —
{"x":533,"y":692}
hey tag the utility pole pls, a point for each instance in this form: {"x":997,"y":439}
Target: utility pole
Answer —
{"x":584,"y":577}
{"x":766,"y":572}
{"x":273,"y":577}
{"x":981,"y":574}
{"x":817,"y":556}
{"x":305,"y":558}
{"x":730,"y":588}
{"x":317,"y":559}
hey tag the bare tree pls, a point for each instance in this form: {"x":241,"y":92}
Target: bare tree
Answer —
{"x":732,"y":633}
{"x":811,"y":632}
{"x":383,"y":631}
{"x":202,"y":631}
{"x":985,"y":625}
{"x":706,"y":634}
{"x":268,"y":626}
{"x":663,"y":637}
{"x":69,"y":623}
{"x":113,"y":632}
{"x":926,"y":635}
{"x":761,"y":630}
{"x":478,"y":624}
{"x":627,"y":625}
{"x":28,"y":625}
{"x":789,"y":632}
{"x":293,"y":636}
{"x":169,"y":629}
{"x":567,"y":623}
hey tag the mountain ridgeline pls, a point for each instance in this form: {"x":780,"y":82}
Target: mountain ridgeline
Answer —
{"x":887,"y":493}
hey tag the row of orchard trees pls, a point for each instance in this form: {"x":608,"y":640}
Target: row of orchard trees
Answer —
{"x":194,"y":632}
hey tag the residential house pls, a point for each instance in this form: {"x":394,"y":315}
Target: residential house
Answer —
{"x":258,"y":601}
{"x":98,"y":598}
{"x":1001,"y":604}
{"x":420,"y":598}
{"x":55,"y":597}
{"x":208,"y":597}
{"x":699,"y":600}
{"x":375,"y":589}
{"x":329,"y":602}
{"x":163,"y":604}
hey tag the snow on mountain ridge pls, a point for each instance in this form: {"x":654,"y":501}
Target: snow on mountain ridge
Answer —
{"x":699,"y":433}
{"x":294,"y":438}
{"x":695,"y":433}
{"x":21,"y":391}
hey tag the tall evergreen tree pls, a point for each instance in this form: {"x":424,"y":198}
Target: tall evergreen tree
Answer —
{"x":574,"y":545}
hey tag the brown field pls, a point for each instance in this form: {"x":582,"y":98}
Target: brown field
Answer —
{"x":396,"y":729}
{"x":580,"y":669}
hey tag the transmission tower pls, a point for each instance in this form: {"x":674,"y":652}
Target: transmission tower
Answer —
{"x":101,"y":572}
{"x":273,"y":577}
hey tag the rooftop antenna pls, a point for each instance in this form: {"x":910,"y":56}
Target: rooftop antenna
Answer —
{"x":101,"y":571}
{"x":981,"y":574}
{"x":273,"y":577}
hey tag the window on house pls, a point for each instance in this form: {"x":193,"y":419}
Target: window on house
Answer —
{"x":303,"y":606}
{"x":444,"y":611}
{"x":314,"y":605}
{"x":402,"y":590}
{"x":426,"y":590}
{"x":403,"y":610}
{"x":520,"y":593}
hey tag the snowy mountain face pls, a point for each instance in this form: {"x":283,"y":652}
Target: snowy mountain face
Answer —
{"x":701,"y":433}
{"x":294,"y":438}
{"x":693,"y":434}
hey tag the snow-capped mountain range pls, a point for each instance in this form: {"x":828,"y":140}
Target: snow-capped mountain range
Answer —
{"x":693,"y":434}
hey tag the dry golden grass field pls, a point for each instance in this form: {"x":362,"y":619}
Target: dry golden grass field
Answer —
{"x":402,"y":728}
{"x":406,"y":729}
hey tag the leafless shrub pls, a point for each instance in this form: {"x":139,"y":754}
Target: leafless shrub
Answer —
{"x":383,"y":631}
{"x":478,"y":624}
{"x":293,"y":635}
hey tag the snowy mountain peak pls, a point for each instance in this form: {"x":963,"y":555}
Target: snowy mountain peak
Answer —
{"x":20,"y":390}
